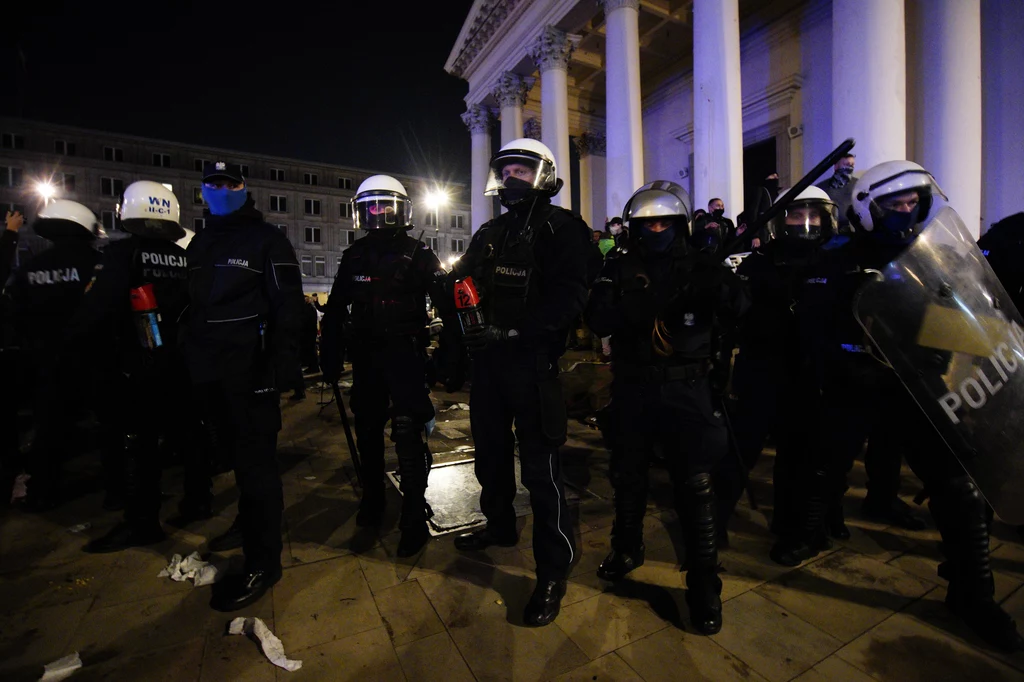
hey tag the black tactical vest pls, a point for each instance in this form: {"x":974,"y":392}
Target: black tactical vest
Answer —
{"x":387,"y":299}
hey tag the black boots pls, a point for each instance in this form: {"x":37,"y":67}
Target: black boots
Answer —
{"x":703,"y":586}
{"x":238,"y":591}
{"x":961,"y":515}
{"x":545,"y":603}
{"x":231,"y":539}
{"x":371,"y":507}
{"x":483,"y":538}
{"x":126,"y":535}
{"x":618,"y":563}
{"x":807,"y":538}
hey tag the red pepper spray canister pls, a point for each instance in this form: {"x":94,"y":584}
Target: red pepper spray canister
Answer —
{"x":467,"y":304}
{"x":147,"y":316}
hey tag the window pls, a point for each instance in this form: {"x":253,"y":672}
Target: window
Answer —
{"x":312,"y":235}
{"x":162,"y":160}
{"x":198,"y":224}
{"x":198,"y":164}
{"x":63,"y":147}
{"x":456,"y":221}
{"x":348,"y":237}
{"x":345,"y":209}
{"x":431,"y":219}
{"x":11,"y":177}
{"x":111,"y":187}
{"x":12,"y":141}
{"x":432,"y":243}
{"x":310,"y":179}
{"x":197,"y":195}
{"x":458,"y":245}
{"x":107,"y":218}
{"x":282,"y":227}
{"x":307,"y":266}
{"x":344,"y":183}
{"x":278,"y":203}
{"x":312,"y":206}
{"x":113,"y":154}
{"x":66,"y":179}
{"x":320,"y":266}
{"x":245,"y":170}
{"x":277,"y":174}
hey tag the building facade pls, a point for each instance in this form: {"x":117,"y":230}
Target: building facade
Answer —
{"x":717,"y":94}
{"x":308,"y":201}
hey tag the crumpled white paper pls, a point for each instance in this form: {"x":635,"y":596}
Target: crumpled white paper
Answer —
{"x":190,"y":568}
{"x":61,"y":669}
{"x":272,"y":646}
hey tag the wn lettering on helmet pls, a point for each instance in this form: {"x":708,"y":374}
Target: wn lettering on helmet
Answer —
{"x":976,"y":390}
{"x":159,"y":206}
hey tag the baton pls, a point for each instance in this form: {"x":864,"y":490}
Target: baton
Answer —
{"x":348,"y":433}
{"x":734,"y":446}
{"x":787,"y":198}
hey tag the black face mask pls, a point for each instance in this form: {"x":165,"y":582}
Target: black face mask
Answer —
{"x":897,"y":228}
{"x":718,"y":212}
{"x":515,"y":191}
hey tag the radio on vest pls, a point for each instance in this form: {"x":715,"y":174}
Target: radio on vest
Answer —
{"x":467,"y":304}
{"x":147,"y":316}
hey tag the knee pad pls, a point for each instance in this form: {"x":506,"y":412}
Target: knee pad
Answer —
{"x":700,"y":484}
{"x":404,"y":429}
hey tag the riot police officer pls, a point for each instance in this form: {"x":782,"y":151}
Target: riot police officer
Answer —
{"x":892,"y":204}
{"x":530,"y":265}
{"x":385,"y":277}
{"x":671,"y":307}
{"x":131,"y":309}
{"x":245,"y":297}
{"x":46,"y":292}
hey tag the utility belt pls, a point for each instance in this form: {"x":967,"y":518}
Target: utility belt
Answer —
{"x":662,"y":373}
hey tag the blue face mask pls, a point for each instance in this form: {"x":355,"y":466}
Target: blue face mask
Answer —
{"x":659,"y":241}
{"x":224,"y":201}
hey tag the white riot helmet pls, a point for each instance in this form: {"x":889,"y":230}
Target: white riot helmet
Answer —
{"x":811,"y":218}
{"x":64,"y":220}
{"x":521,"y":168}
{"x":381,"y":203}
{"x":659,"y":200}
{"x":149,"y":209}
{"x":183,"y":242}
{"x":894,"y":200}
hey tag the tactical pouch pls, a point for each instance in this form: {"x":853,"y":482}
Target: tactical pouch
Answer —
{"x":553,"y":415}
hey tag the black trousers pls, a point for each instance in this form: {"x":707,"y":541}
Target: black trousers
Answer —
{"x":247,"y":415}
{"x":10,"y":399}
{"x":511,"y":388}
{"x":58,"y":395}
{"x":684,"y":418}
{"x":389,"y":381}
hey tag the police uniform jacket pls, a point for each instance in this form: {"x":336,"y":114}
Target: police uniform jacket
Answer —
{"x":245,"y":299}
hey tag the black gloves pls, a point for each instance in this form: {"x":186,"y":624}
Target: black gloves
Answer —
{"x":484,"y":335}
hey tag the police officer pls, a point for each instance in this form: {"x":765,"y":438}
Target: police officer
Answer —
{"x":892,"y":204}
{"x":385,"y":278}
{"x":671,"y":307}
{"x":775,"y":380}
{"x":839,"y":188}
{"x":10,"y":460}
{"x":245,"y":314}
{"x":46,"y":292}
{"x":530,"y":266}
{"x":131,"y":309}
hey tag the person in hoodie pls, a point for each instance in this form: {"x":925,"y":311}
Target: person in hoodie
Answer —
{"x":671,"y":307}
{"x":531,"y":268}
{"x":241,"y":347}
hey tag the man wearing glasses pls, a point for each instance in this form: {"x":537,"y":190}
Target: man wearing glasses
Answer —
{"x":246,"y":307}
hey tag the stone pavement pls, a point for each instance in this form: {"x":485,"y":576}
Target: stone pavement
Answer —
{"x":871,"y":609}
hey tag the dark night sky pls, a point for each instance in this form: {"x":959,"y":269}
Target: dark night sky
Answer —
{"x":340,"y":82}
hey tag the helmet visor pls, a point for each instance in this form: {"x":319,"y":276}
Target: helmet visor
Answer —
{"x":805,"y":220}
{"x":380,"y":212}
{"x":521,"y":169}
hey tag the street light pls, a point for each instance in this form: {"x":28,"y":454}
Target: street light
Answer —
{"x":46,"y":190}
{"x":434,"y":201}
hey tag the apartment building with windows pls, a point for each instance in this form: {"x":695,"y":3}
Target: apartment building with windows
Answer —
{"x":309,"y":201}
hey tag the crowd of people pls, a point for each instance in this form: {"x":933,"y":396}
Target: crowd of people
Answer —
{"x":194,"y":347}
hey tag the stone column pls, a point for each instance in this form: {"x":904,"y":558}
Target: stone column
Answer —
{"x":532,"y":128}
{"x":551,"y":53}
{"x":511,"y":92}
{"x":591,"y":149}
{"x":717,"y":105}
{"x":478,"y":119}
{"x":869,"y":73}
{"x":950,"y":68}
{"x":625,"y":157}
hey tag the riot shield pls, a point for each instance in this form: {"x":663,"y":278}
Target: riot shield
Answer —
{"x":940,"y":317}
